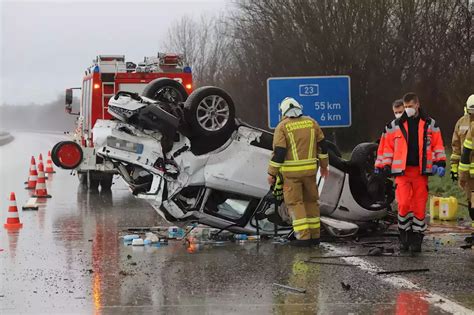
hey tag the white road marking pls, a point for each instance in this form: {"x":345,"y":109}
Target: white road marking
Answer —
{"x":403,"y":283}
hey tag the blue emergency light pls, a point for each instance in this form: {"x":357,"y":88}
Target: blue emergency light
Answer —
{"x":187,"y":69}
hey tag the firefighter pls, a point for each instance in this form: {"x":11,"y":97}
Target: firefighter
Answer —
{"x":297,"y":143}
{"x":413,"y":149}
{"x":459,"y":135}
{"x":466,"y":165}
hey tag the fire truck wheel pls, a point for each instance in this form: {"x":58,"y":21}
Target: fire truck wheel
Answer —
{"x":210,"y":112}
{"x":94,"y":184}
{"x":165,"y":90}
{"x":82,"y":177}
{"x":67,"y":154}
{"x":106,"y":182}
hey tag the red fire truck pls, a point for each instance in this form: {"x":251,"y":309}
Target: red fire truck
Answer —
{"x":163,"y":77}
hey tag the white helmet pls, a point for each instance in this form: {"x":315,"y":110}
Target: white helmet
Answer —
{"x":291,"y":108}
{"x":470,"y":104}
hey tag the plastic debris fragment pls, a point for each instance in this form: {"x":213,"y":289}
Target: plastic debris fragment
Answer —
{"x":137,"y":242}
{"x":130,"y":237}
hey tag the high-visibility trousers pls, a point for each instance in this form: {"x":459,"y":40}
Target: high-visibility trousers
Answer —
{"x":469,"y":190}
{"x":411,"y":194}
{"x":301,"y":197}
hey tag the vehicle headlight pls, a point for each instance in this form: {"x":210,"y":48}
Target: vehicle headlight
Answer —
{"x":124,"y":145}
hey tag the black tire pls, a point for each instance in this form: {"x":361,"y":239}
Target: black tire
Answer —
{"x":94,"y":184}
{"x":363,"y":157}
{"x":67,"y":155}
{"x":106,"y":182}
{"x":333,"y":147}
{"x":82,"y":177}
{"x":363,"y":182}
{"x":165,"y":90}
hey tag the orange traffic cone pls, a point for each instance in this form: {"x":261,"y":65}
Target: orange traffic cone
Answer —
{"x":13,"y":220}
{"x":40,"y":160}
{"x":41,"y":191}
{"x":33,"y":177}
{"x":49,"y":164}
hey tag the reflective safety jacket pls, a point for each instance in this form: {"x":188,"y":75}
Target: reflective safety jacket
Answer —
{"x":295,"y":148}
{"x":379,"y":160}
{"x":466,"y":166}
{"x":459,"y":135}
{"x":430,"y":145}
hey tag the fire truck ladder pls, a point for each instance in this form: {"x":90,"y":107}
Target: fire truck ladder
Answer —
{"x":108,"y":90}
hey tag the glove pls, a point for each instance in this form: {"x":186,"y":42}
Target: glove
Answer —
{"x":386,"y":170}
{"x":454,"y":176}
{"x":377,"y":170}
{"x":434,"y":169}
{"x":277,"y":190}
{"x":441,"y":171}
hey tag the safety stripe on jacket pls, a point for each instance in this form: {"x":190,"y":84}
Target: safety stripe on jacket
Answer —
{"x":293,"y":146}
{"x":311,"y":144}
{"x":298,"y":168}
{"x":455,"y":157}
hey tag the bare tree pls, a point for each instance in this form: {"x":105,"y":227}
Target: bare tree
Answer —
{"x":387,"y":47}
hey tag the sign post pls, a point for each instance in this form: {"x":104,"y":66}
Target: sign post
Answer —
{"x":325,"y":99}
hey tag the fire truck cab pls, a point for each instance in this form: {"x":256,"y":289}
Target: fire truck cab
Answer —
{"x":161,"y":77}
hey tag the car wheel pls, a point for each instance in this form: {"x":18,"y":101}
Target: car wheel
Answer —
{"x":210,"y":112}
{"x":363,"y":157}
{"x":165,"y":90}
{"x":94,"y":184}
{"x":82,"y":177}
{"x":106,"y":182}
{"x":333,"y":147}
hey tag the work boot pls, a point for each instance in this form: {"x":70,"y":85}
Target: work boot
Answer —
{"x":416,"y":240}
{"x":404,"y":240}
{"x":315,"y":242}
{"x":301,"y":243}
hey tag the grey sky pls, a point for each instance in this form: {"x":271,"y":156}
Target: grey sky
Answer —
{"x":46,"y":46}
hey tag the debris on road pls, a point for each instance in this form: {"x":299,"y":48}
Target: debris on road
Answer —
{"x":137,"y":242}
{"x":31,"y":204}
{"x":374,"y":242}
{"x":345,"y":286}
{"x":152,"y":237}
{"x":402,"y":271}
{"x":130,"y":237}
{"x":175,"y":232}
{"x":376,"y":251}
{"x":330,"y":263}
{"x":299,"y":290}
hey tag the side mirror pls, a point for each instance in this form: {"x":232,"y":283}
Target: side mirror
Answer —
{"x":68,"y":100}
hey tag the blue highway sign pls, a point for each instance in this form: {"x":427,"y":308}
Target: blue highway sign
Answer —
{"x":326,"y":99}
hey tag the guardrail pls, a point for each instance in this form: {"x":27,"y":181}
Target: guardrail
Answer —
{"x":5,"y":138}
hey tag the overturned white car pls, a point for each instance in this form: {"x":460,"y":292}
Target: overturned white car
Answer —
{"x":194,"y":161}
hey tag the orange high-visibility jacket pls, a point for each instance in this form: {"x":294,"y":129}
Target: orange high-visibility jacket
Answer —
{"x":379,"y":160}
{"x":431,"y":148}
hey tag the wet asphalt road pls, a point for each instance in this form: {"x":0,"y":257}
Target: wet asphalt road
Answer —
{"x":68,"y":258}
